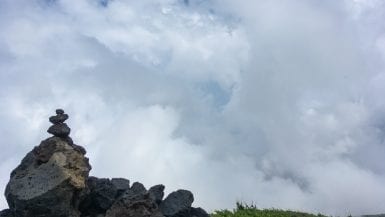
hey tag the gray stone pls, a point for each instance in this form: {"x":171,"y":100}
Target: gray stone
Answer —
{"x":59,"y":111}
{"x":134,"y":205}
{"x":57,"y":119}
{"x":77,"y":147}
{"x":177,"y":201}
{"x":60,"y":130}
{"x":6,"y":213}
{"x":192,"y":212}
{"x":157,"y":193}
{"x":101,"y":194}
{"x":47,"y":181}
{"x":121,"y":185}
{"x":137,"y":188}
{"x":44,"y":151}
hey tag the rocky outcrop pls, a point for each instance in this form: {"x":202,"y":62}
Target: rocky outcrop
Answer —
{"x":133,"y":203}
{"x":49,"y":179}
{"x":52,"y":181}
{"x":6,"y":213}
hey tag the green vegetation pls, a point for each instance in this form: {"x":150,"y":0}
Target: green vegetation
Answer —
{"x":244,"y":210}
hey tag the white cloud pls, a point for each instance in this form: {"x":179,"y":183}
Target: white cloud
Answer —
{"x":279,"y":103}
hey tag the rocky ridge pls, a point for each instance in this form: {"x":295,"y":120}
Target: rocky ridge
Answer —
{"x":53,"y":180}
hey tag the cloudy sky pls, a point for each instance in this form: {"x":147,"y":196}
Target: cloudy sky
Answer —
{"x":276,"y":102}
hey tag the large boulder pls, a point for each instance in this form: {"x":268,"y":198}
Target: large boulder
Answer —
{"x":48,"y":180}
{"x":121,"y":185}
{"x":176,"y":202}
{"x":157,"y":193}
{"x":136,"y":188}
{"x":100,"y":194}
{"x":135,"y":202}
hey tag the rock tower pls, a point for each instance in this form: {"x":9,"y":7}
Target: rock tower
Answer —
{"x":53,"y":180}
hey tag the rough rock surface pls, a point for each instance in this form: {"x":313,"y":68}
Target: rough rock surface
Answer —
{"x":134,"y":204}
{"x":6,"y":213}
{"x":157,"y":193}
{"x":52,"y":181}
{"x":136,"y":188}
{"x":61,"y":130}
{"x":121,"y":185}
{"x":101,"y":194}
{"x":58,"y":118}
{"x":176,"y":202}
{"x":192,"y":212}
{"x":47,"y":181}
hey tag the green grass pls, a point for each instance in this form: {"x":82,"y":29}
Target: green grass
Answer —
{"x":244,"y":210}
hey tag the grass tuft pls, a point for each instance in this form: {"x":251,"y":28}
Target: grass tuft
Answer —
{"x":245,"y":210}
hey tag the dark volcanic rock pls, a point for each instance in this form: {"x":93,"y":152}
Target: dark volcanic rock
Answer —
{"x":135,"y":202}
{"x":45,"y":150}
{"x":101,"y":194}
{"x":52,"y":181}
{"x":6,"y":213}
{"x":157,"y":193}
{"x":59,"y":111}
{"x":60,"y":118}
{"x":78,"y":148}
{"x":136,"y":188}
{"x":121,"y":185}
{"x":60,"y":130}
{"x":138,"y":204}
{"x":192,"y":212}
{"x":47,"y":181}
{"x":177,"y":201}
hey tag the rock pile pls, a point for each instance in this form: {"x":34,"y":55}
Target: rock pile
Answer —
{"x":59,"y":128}
{"x":53,"y":181}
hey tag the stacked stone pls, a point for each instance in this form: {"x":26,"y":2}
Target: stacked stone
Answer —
{"x":53,"y":181}
{"x":49,"y":178}
{"x":59,"y":128}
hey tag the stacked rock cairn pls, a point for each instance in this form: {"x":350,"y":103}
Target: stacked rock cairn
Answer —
{"x":59,"y":128}
{"x":53,"y":180}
